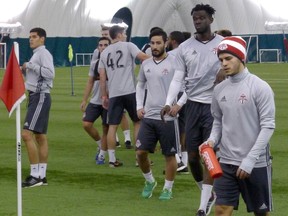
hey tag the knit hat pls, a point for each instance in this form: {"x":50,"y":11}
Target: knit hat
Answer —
{"x":234,"y":45}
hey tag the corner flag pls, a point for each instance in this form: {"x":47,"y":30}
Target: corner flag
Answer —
{"x":12,"y":90}
{"x":70,"y":53}
{"x":12,"y":93}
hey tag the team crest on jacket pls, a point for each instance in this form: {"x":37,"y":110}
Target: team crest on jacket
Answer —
{"x":165,"y":72}
{"x":242,"y":99}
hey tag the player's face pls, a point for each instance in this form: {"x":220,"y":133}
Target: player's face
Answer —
{"x":102,"y":45}
{"x":105,"y":33}
{"x":157,"y":46}
{"x":202,"y":21}
{"x":35,"y":40}
{"x":123,"y":36}
{"x":169,"y":44}
{"x":230,"y":64}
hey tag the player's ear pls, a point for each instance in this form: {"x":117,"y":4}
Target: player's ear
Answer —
{"x":211,"y":19}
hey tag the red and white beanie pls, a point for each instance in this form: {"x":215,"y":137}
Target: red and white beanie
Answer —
{"x":234,"y":45}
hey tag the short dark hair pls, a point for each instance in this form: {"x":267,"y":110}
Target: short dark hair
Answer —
{"x":40,"y":31}
{"x":155,"y":28}
{"x":186,"y":34}
{"x":177,"y":36}
{"x":209,"y":10}
{"x":104,"y":38}
{"x":224,"y":32}
{"x":158,"y":32}
{"x":115,"y":30}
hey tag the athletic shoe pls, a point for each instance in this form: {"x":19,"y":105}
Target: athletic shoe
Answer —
{"x":200,"y":213}
{"x":148,"y":189}
{"x":117,"y":163}
{"x":97,"y":155}
{"x":128,"y":144}
{"x":118,"y":145}
{"x":44,"y":181}
{"x":31,"y":181}
{"x":166,"y":195}
{"x":210,"y":203}
{"x":180,"y":166}
{"x":183,"y":171}
{"x":100,"y":161}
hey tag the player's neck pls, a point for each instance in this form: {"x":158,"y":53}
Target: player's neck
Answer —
{"x":207,"y":36}
{"x":160,"y":58}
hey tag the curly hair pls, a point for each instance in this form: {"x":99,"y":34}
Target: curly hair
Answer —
{"x":209,"y":10}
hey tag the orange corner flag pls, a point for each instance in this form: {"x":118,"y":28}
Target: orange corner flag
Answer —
{"x":12,"y":90}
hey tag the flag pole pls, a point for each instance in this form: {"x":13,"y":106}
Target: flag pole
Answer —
{"x":70,"y":57}
{"x":18,"y":147}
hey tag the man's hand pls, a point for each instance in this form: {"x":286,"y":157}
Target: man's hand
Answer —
{"x":221,"y":75}
{"x":140,"y":113}
{"x":241,"y":174}
{"x":83,"y":106}
{"x":174,"y":110}
{"x":23,"y":67}
{"x":165,"y":111}
{"x":209,"y":142}
{"x":105,"y":102}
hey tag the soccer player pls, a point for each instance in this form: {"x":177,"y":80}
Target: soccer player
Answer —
{"x":124,"y":121}
{"x":117,"y":64}
{"x":157,"y":73}
{"x":243,"y":108}
{"x":40,"y":74}
{"x":94,"y":109}
{"x":174,"y":40}
{"x":197,"y":63}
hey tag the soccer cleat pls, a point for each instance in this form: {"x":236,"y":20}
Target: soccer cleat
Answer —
{"x":210,"y":203}
{"x":166,"y":195}
{"x":44,"y":181}
{"x":200,"y":213}
{"x":117,"y":163}
{"x":180,"y":166}
{"x":148,"y":189}
{"x":97,"y":155}
{"x":128,"y":144}
{"x":118,"y":145}
{"x":183,"y":171}
{"x":100,"y":160}
{"x":31,"y":181}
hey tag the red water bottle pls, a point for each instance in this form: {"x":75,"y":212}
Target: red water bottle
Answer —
{"x":211,"y":161}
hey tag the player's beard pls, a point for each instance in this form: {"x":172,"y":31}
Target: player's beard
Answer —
{"x":159,"y":54}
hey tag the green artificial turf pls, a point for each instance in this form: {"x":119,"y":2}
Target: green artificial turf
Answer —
{"x":77,"y":186}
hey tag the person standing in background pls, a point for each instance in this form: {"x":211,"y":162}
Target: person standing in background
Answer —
{"x":174,"y":40}
{"x":125,"y":126}
{"x":117,"y":64}
{"x":94,"y":109}
{"x":39,"y":75}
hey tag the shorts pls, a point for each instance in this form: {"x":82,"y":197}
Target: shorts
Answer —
{"x":117,"y":106}
{"x":37,"y":116}
{"x":151,"y":131}
{"x":92,"y":113}
{"x":255,"y":190}
{"x":199,"y":121}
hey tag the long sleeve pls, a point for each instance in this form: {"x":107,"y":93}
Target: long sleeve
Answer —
{"x":175,"y":87}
